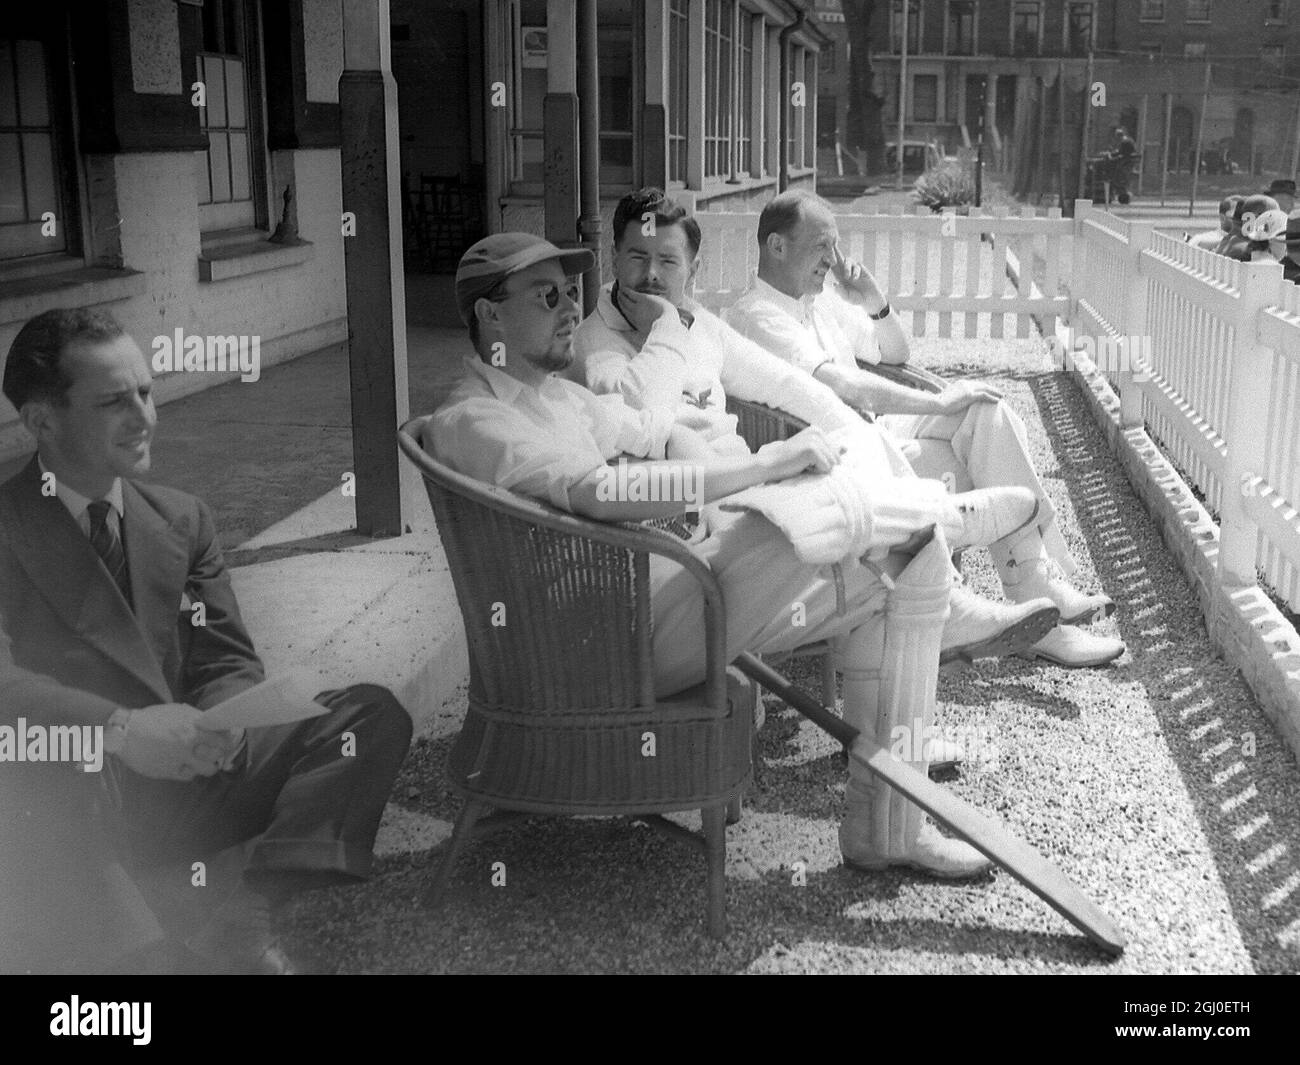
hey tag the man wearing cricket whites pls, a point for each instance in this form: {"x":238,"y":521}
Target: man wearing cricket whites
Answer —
{"x":967,"y":429}
{"x":633,"y":346}
{"x":513,"y":423}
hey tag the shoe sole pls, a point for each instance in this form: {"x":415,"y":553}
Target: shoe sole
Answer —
{"x":1014,"y":639}
{"x":1088,"y":617}
{"x":904,"y":863}
{"x":1033,"y":655}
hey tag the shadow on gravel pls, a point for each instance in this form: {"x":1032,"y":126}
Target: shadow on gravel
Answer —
{"x":1241,"y":777}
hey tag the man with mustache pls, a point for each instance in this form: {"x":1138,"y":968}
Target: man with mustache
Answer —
{"x":822,"y":313}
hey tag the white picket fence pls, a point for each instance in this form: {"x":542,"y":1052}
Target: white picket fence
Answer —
{"x":982,"y":268}
{"x":1222,"y":393}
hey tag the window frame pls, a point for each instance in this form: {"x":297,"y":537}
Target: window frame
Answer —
{"x":1038,"y":16}
{"x":915,"y":26}
{"x":1145,"y":5}
{"x":913,"y":96}
{"x":1187,"y":17}
{"x":719,"y":102}
{"x":216,"y":217}
{"x":1067,"y":27}
{"x":678,"y":111}
{"x":948,"y":46}
{"x":67,"y":174}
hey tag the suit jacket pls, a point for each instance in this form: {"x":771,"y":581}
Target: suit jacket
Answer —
{"x":71,"y":651}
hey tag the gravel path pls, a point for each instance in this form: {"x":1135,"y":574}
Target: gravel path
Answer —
{"x":1156,"y":784}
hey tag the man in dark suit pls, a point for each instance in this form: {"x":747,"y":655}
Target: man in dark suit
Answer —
{"x":97,"y":576}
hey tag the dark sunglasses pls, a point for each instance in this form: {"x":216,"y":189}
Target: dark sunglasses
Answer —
{"x":550,"y":294}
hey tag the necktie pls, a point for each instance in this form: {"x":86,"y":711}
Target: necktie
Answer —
{"x":108,"y":546}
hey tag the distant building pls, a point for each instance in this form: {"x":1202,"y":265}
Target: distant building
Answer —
{"x":992,"y":65}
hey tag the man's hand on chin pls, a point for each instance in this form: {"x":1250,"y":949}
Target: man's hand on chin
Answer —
{"x":643,"y":309}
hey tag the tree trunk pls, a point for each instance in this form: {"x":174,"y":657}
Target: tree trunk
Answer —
{"x":864,"y":129}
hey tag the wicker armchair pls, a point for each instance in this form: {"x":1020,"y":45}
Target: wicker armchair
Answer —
{"x":558,"y":619}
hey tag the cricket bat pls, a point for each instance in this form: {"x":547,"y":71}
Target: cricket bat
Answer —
{"x":988,"y":837}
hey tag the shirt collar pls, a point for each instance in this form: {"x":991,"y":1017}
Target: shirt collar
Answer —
{"x":610,"y":314}
{"x":77,"y":503}
{"x":506,"y":388}
{"x":613,"y":317}
{"x":799,"y":308}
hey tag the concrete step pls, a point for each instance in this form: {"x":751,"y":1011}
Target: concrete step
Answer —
{"x":379,"y":611}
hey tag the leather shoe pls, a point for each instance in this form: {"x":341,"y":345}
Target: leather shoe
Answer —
{"x":1072,"y":647}
{"x":977,"y":628}
{"x":943,"y":754}
{"x":989,"y":514}
{"x":933,"y":853}
{"x":239,"y":940}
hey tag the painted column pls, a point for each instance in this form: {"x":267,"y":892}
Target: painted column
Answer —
{"x":372,"y":243}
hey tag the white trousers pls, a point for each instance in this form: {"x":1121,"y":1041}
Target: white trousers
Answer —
{"x":774,"y":602}
{"x":985,"y":446}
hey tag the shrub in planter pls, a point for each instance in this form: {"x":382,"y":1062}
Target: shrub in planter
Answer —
{"x":948,"y":184}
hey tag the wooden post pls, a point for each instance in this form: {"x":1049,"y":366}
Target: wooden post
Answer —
{"x":376,"y":291}
{"x":902,"y":93}
{"x":1164,"y":155}
{"x":1135,"y":327}
{"x":561,"y":203}
{"x":1086,"y":132}
{"x":1245,"y":429}
{"x":654,"y":112}
{"x":589,"y":221}
{"x":695,"y":96}
{"x":1060,"y":127}
{"x":1142,"y":139}
{"x":1295,"y":148}
{"x":1200,"y":140}
{"x":733,"y":93}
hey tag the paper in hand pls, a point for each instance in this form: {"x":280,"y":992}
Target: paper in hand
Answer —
{"x":277,"y":701}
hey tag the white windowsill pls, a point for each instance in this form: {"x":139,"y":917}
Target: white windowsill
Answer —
{"x":81,"y":286}
{"x":243,"y":252}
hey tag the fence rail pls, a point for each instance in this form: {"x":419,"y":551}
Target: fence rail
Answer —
{"x":1218,"y":381}
{"x":978,"y":267}
{"x":1220,"y":391}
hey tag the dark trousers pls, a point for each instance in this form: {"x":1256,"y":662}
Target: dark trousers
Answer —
{"x":302,"y":806}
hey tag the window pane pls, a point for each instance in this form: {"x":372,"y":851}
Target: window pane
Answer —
{"x":241,"y":178}
{"x":216,"y":91}
{"x":8,"y":90}
{"x":234,"y":78}
{"x":203,"y":179}
{"x":913,"y":26}
{"x":33,"y":104}
{"x":11,"y":180}
{"x":925,"y":97}
{"x":38,"y":163}
{"x":219,"y":150}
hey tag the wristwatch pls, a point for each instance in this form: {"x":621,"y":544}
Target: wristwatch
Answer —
{"x":884,"y":312}
{"x":115,"y":731}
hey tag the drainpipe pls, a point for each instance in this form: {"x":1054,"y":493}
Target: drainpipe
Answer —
{"x":589,"y":223}
{"x":783,"y":134}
